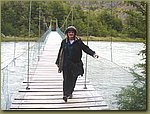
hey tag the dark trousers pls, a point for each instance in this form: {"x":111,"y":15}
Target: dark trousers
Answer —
{"x":69,"y":82}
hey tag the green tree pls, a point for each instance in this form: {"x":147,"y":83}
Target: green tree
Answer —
{"x":134,"y":97}
{"x":111,"y":22}
{"x":13,"y":20}
{"x":136,"y":19}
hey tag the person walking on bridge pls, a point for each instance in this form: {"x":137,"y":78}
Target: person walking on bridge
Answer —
{"x":69,"y":60}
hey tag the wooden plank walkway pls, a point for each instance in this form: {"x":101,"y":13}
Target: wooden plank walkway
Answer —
{"x":46,"y":85}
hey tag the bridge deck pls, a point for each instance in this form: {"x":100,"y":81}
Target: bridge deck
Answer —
{"x":45,"y":85}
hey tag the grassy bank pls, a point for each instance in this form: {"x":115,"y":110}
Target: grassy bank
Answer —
{"x":114,"y":39}
{"x":84,"y":38}
{"x":18,"y":39}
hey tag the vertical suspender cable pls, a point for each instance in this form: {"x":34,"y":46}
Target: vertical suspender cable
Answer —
{"x":66,"y":23}
{"x":14,"y":52}
{"x":111,"y":35}
{"x":39,"y":43}
{"x":45,"y":24}
{"x":72,"y":16}
{"x":56,"y":23}
{"x":29,"y":48}
{"x":85,"y":87}
{"x":39,"y":21}
{"x":14,"y":43}
{"x":50,"y":24}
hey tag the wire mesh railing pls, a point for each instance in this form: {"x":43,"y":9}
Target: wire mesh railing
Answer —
{"x":17,"y":69}
{"x":60,"y":33}
{"x":107,"y":78}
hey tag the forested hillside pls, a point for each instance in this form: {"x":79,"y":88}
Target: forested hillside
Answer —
{"x":117,"y":19}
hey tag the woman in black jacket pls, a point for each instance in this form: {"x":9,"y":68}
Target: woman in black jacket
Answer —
{"x":69,"y":60}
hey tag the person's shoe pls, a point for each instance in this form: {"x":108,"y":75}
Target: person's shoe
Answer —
{"x":65,"y":98}
{"x":70,"y":96}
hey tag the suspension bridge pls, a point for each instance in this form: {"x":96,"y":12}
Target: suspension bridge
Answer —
{"x":40,"y":84}
{"x":42,"y":90}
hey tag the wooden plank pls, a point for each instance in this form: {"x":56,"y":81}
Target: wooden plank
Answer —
{"x":77,"y":107}
{"x":24,"y":102}
{"x":50,"y":81}
{"x":56,"y":98}
{"x":58,"y":82}
{"x":54,"y":86}
{"x":76,"y":94}
{"x":50,"y":90}
{"x":59,"y":106}
{"x":49,"y":84}
{"x":67,"y":109}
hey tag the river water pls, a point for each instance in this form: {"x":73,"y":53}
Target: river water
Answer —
{"x":108,"y":73}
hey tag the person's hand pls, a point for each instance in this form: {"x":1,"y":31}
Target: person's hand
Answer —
{"x":95,"y":56}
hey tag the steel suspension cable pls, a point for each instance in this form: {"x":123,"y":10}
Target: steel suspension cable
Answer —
{"x":111,"y":36}
{"x":72,"y":15}
{"x":39,"y":44}
{"x":56,"y":23}
{"x":85,"y":87}
{"x":29,"y":48}
{"x":65,"y":20}
{"x":71,"y":11}
{"x":14,"y":50}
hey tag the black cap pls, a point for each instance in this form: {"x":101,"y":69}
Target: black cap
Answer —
{"x":71,"y":28}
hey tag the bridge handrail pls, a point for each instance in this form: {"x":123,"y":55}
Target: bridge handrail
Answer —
{"x":60,"y":33}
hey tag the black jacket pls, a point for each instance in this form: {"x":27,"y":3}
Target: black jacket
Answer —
{"x":75,"y":60}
